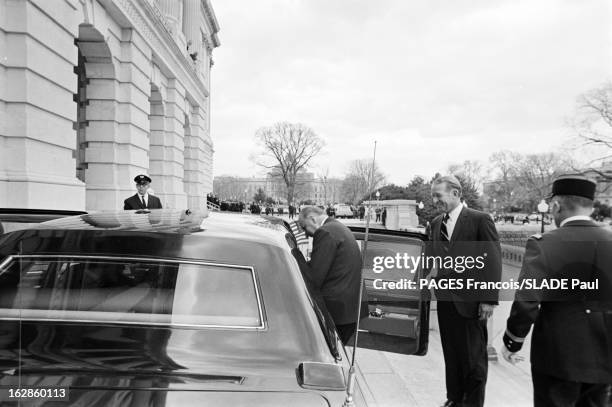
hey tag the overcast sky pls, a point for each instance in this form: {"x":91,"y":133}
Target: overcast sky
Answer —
{"x":434,"y":82}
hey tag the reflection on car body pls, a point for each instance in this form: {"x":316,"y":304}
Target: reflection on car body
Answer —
{"x":168,"y":307}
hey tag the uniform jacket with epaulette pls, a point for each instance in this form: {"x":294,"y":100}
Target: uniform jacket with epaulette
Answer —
{"x":572,"y":334}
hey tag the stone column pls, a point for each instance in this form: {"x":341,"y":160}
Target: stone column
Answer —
{"x":191,"y":26}
{"x":157,"y":120}
{"x":37,"y":110}
{"x":192,"y":181}
{"x":207,"y":148}
{"x":167,"y":160}
{"x":118,"y":124}
{"x":197,"y":173}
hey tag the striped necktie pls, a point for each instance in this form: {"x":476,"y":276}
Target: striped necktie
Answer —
{"x":144,"y":204}
{"x":443,"y":230}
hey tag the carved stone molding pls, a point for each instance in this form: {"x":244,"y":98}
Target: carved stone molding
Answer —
{"x":211,"y":19}
{"x":147,"y":19}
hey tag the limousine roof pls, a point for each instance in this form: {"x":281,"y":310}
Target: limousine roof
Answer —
{"x":167,"y":221}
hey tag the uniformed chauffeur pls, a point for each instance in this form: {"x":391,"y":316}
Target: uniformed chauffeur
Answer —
{"x":142,"y":199}
{"x":571,"y":346}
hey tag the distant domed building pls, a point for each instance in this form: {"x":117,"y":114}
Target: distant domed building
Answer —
{"x":95,"y":92}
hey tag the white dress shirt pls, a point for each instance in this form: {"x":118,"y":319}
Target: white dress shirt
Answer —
{"x":146,"y":198}
{"x":573,"y":218}
{"x":323,"y":220}
{"x":452,"y":220}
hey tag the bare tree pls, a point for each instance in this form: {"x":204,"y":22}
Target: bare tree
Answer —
{"x":356,"y":183}
{"x":535,"y":174}
{"x":504,"y":165}
{"x":592,"y":125}
{"x":470,"y":171}
{"x":521,"y":181}
{"x":287,"y":148}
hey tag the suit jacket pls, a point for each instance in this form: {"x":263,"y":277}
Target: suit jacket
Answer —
{"x":134,"y":202}
{"x":474,"y":235}
{"x":572,"y":333}
{"x":335,"y":270}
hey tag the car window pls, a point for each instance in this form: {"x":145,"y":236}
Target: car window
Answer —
{"x":130,"y":291}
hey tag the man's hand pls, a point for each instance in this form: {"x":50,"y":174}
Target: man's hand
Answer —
{"x":511,"y":357}
{"x":485,"y":311}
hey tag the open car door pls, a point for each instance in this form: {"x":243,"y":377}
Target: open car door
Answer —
{"x":397,"y":316}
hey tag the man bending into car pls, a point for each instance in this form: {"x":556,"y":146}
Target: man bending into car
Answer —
{"x":334,"y":268}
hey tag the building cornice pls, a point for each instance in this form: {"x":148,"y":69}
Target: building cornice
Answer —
{"x":146,"y":18}
{"x":211,"y":40}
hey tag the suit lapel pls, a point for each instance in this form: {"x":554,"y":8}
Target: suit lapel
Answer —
{"x":140,"y":205}
{"x":459,"y":226}
{"x":436,"y":231}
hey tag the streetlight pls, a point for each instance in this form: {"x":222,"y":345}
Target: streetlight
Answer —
{"x":377,"y":203}
{"x":542,"y":208}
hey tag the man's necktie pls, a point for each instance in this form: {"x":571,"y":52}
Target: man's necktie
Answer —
{"x":144,"y":204}
{"x":443,"y":230}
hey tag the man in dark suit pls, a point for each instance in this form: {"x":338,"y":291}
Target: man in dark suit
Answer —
{"x":459,"y":233}
{"x":142,"y":199}
{"x":571,"y":347}
{"x":334,"y":268}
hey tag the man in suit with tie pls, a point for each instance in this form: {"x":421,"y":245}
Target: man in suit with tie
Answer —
{"x":571,"y":345}
{"x":334,"y":269}
{"x":142,"y":199}
{"x":458,"y":233}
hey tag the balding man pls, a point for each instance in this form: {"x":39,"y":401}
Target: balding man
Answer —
{"x":334,"y":268}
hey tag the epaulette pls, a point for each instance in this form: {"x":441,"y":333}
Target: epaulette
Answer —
{"x":537,"y":236}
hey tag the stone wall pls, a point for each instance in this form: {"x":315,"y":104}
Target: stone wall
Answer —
{"x":95,"y":92}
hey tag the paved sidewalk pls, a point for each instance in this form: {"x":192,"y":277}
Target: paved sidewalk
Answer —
{"x":398,"y":380}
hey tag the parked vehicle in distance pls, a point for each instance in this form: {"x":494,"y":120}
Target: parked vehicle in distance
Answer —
{"x":174,"y":308}
{"x":537,"y":218}
{"x":534,"y":217}
{"x":343,"y":211}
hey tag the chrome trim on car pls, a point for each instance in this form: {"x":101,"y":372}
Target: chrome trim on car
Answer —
{"x":152,"y":259}
{"x":7,"y":260}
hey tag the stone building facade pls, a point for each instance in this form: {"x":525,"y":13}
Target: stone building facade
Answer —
{"x":320,"y":191}
{"x":94,"y":92}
